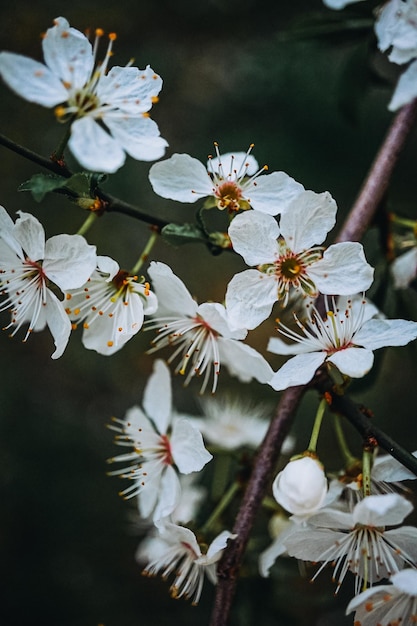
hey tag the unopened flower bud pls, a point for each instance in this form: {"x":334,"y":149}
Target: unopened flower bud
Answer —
{"x":301,"y":486}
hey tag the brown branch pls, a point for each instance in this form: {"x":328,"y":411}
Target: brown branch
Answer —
{"x":378,"y":179}
{"x":355,"y":226}
{"x":110,"y":203}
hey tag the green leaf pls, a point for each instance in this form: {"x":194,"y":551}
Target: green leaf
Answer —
{"x":41,"y":184}
{"x":179,"y":234}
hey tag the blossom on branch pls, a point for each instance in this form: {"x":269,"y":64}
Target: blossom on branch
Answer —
{"x":388,"y":605}
{"x":357,"y":540}
{"x":111,"y":305}
{"x":200,"y":334}
{"x":108,"y":111}
{"x":288,"y":259}
{"x":301,"y":487}
{"x":177,"y":551}
{"x":346,"y":338}
{"x":164,"y":444}
{"x":231,"y":181}
{"x":30,"y":271}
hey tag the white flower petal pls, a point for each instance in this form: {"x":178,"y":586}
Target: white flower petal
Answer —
{"x":244,"y":361}
{"x":273,"y":193}
{"x":173,"y":296}
{"x":218,"y":545}
{"x":68,"y":54}
{"x":308,"y":219}
{"x":94,"y":148}
{"x":181,"y":178}
{"x":297,"y":371}
{"x":406,"y":581}
{"x":31,"y":235}
{"x":404,"y":269}
{"x":377,"y":333}
{"x":138,"y":136}
{"x":129,"y":89}
{"x":354,"y":362}
{"x":157,"y":397}
{"x":406,"y":89}
{"x":58,"y":323}
{"x":187,"y":446}
{"x":250,"y":297}
{"x":69,"y":260}
{"x":343,"y":270}
{"x":169,"y":494}
{"x":31,"y":80}
{"x":339,"y":4}
{"x":254,"y":236}
{"x":215,"y":315}
{"x":382,"y":510}
{"x":387,"y":469}
{"x":301,"y":487}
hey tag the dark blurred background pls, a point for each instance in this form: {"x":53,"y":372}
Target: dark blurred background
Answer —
{"x":308,"y":88}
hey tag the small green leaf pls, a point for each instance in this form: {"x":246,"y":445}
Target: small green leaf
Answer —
{"x":179,"y":234}
{"x":82,"y":184}
{"x":41,"y":184}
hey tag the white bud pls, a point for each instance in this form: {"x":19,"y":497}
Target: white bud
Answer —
{"x":301,"y":486}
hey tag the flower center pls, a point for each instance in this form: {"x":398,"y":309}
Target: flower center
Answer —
{"x":166,"y":454}
{"x":229,"y":196}
{"x":290,"y":268}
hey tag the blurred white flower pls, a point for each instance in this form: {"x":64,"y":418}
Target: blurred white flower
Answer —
{"x":404,"y":267}
{"x":231,"y":181}
{"x":177,"y":550}
{"x":200,"y":333}
{"x":29,"y":266}
{"x":357,"y":540}
{"x":163,"y":446}
{"x":90,"y":97}
{"x":346,"y":338}
{"x":232,"y":422}
{"x":339,"y":4}
{"x":111,"y":305}
{"x":388,"y":605}
{"x":396,"y":30}
{"x":288,"y":258}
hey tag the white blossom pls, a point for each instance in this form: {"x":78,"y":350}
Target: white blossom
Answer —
{"x":31,"y":270}
{"x":404,"y":268}
{"x":301,"y":487}
{"x":231,"y":181}
{"x":231,"y":422}
{"x":357,"y":540}
{"x":111,"y":305}
{"x":388,"y":605}
{"x":288,"y":258}
{"x":396,"y":30}
{"x":200,"y":334}
{"x":176,"y":550}
{"x":346,"y":338}
{"x":339,"y":4}
{"x":88,"y":96}
{"x":164,"y":445}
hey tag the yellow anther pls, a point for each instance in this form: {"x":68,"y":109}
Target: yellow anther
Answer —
{"x":155,"y":99}
{"x":60,"y":111}
{"x":112,"y":36}
{"x":109,"y":344}
{"x":147,"y":289}
{"x":99,"y":32}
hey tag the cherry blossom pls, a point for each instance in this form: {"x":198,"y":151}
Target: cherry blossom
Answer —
{"x":32,"y":271}
{"x":301,"y":487}
{"x":88,"y":96}
{"x":388,"y":605}
{"x":164,"y":444}
{"x":177,"y":551}
{"x":357,"y":540}
{"x":111,"y":305}
{"x":346,"y":338}
{"x":231,"y":181}
{"x":396,"y":30}
{"x":288,"y":258}
{"x":200,"y":334}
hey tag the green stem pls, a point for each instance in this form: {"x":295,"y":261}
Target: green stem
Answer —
{"x":403,"y":221}
{"x":222,"y":505}
{"x":317,"y":424}
{"x":341,"y":440}
{"x":366,"y":472}
{"x":87,"y":223}
{"x":146,"y":252}
{"x":59,"y":152}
